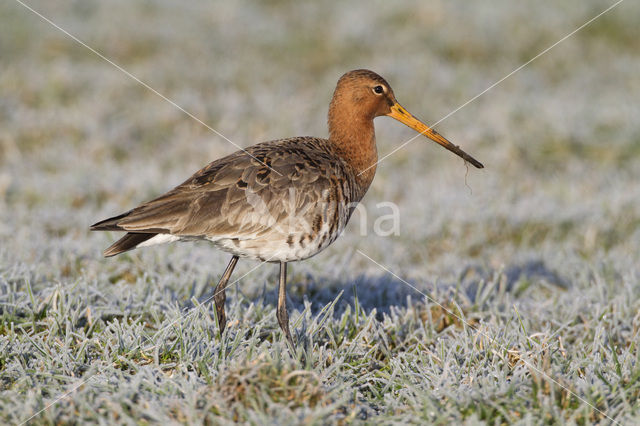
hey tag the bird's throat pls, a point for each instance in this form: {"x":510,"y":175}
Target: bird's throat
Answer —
{"x":355,"y":142}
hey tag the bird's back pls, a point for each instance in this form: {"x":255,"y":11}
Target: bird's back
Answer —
{"x":280,"y":200}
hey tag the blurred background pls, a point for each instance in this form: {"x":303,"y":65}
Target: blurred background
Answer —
{"x":560,"y":139}
{"x":557,"y":202}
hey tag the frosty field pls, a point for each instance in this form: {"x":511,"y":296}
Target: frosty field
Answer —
{"x":509,"y":295}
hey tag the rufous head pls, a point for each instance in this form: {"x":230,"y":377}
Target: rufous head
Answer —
{"x":362,"y":95}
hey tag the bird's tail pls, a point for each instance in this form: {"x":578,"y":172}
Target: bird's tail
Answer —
{"x":130,"y":241}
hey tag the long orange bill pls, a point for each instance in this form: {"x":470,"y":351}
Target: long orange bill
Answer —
{"x":403,"y":116}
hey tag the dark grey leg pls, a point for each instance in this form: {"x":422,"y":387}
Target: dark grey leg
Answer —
{"x":281,"y":313}
{"x":219,"y":295}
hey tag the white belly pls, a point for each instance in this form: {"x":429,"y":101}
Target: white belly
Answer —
{"x":275,"y":250}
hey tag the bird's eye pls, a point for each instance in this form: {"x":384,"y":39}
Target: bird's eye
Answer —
{"x":379,"y":90}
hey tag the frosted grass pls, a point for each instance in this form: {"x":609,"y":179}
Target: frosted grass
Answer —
{"x":538,"y":252}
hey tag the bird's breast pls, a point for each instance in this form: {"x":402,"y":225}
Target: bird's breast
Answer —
{"x":292,"y":229}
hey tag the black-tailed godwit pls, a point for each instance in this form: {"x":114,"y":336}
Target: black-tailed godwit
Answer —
{"x":277,"y":201}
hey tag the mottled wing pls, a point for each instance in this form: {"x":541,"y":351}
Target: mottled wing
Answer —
{"x":277,"y":185}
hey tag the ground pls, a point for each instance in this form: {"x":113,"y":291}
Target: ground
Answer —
{"x":508,"y":295}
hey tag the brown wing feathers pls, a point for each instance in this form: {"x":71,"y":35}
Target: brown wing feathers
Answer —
{"x":214,"y":200}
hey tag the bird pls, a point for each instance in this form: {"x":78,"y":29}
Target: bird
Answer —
{"x":278,"y":201}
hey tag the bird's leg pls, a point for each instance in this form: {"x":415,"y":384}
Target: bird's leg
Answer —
{"x":219,"y":295}
{"x":281,"y":312}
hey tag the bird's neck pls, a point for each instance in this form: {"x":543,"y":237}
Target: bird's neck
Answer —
{"x":354,"y":139}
